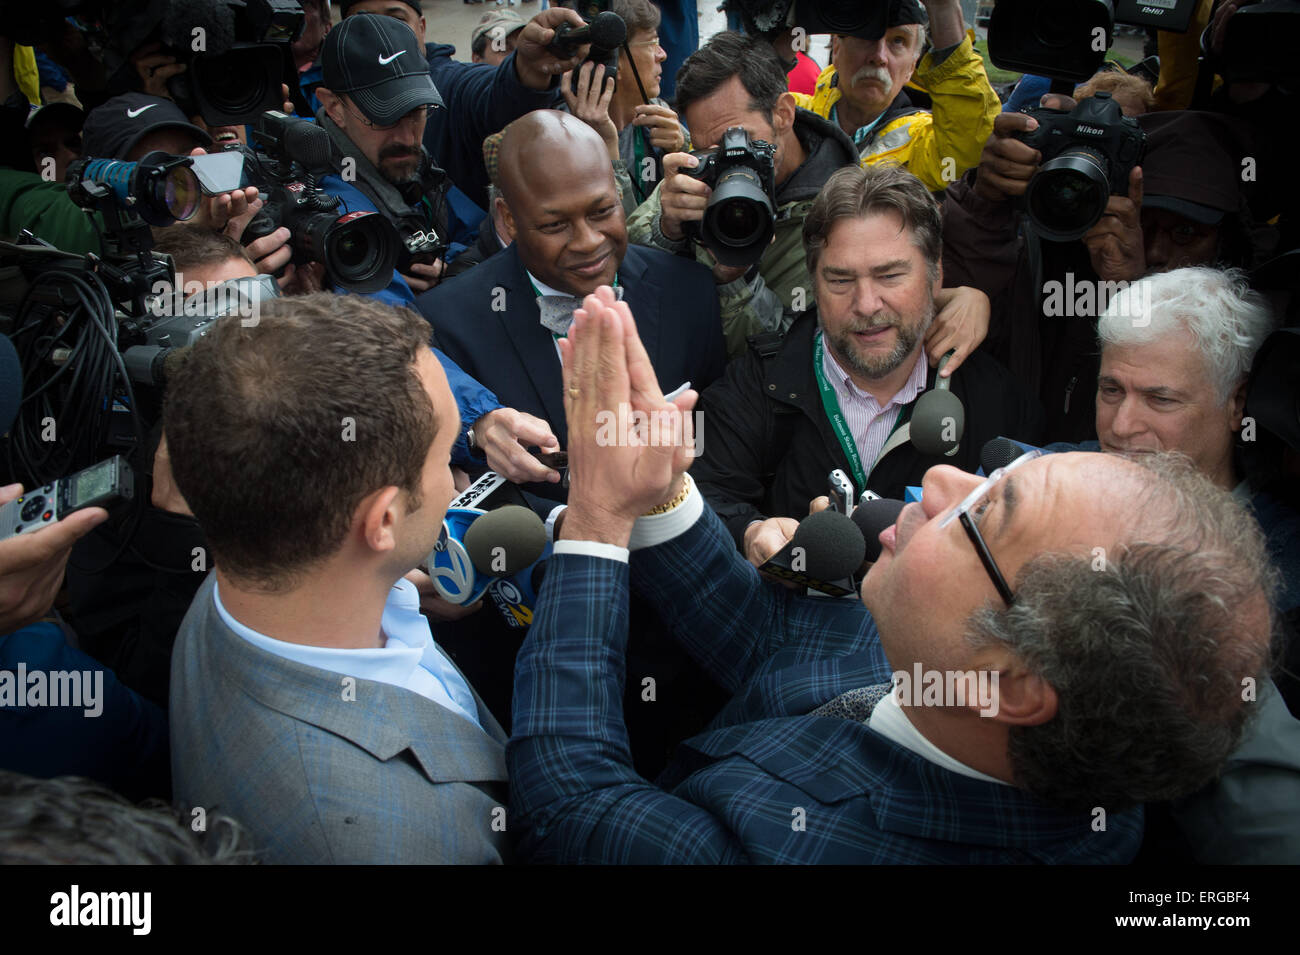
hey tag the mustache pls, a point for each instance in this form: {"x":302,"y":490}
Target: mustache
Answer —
{"x":875,"y":322}
{"x":397,"y":152}
{"x":873,"y":73}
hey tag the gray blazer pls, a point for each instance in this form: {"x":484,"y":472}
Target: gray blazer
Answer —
{"x":317,"y":778}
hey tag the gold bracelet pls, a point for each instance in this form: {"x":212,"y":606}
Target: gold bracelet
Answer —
{"x":677,"y":500}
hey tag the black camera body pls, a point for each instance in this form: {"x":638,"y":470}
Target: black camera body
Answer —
{"x":234,"y":84}
{"x":358,"y":249}
{"x":422,"y":246}
{"x":740,"y":219}
{"x":1088,"y":153}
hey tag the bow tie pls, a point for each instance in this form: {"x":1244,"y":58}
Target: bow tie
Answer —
{"x":557,"y":310}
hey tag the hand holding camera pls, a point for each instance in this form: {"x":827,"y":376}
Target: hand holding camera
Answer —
{"x":1088,"y":154}
{"x":734,"y":215}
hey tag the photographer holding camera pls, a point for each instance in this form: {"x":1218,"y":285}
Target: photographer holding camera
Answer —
{"x":1098,"y":218}
{"x":737,"y":81}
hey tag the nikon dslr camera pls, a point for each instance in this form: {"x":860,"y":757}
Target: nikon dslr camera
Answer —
{"x":1088,"y":153}
{"x":740,"y":219}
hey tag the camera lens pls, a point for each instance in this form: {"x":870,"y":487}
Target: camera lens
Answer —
{"x":739,"y":219}
{"x":359,"y":249}
{"x":237,"y":86}
{"x":178,"y":192}
{"x":1068,"y":194}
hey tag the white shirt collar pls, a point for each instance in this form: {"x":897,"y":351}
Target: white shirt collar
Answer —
{"x":889,"y":720}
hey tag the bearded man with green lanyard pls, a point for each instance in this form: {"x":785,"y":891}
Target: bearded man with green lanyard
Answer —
{"x":848,"y":373}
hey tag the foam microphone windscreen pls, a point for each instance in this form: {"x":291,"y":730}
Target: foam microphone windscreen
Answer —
{"x":608,"y":30}
{"x":181,"y":18}
{"x":998,"y":453}
{"x":937,"y":422}
{"x":11,"y":384}
{"x":505,"y":541}
{"x":872,"y":517}
{"x":833,"y":547}
{"x":309,"y":145}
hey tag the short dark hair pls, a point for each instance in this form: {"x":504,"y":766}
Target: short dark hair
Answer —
{"x":639,"y":15}
{"x":729,"y":54}
{"x":279,"y":428}
{"x":69,"y":820}
{"x":195,"y":246}
{"x":855,"y":192}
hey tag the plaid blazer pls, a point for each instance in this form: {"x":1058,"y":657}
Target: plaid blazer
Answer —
{"x":323,"y":772}
{"x":766,"y":782}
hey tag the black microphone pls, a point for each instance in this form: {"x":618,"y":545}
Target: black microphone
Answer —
{"x":872,"y":517}
{"x":825,"y":551}
{"x":505,"y":541}
{"x":938,"y":422}
{"x":606,"y":31}
{"x":1000,"y":451}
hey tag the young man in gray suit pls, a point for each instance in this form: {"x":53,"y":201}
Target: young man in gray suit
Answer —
{"x":308,"y":698}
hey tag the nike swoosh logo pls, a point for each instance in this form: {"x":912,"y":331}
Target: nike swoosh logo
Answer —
{"x":133,"y":113}
{"x":384,"y":61}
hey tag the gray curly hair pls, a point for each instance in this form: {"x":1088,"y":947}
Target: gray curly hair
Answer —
{"x":1148,"y":655}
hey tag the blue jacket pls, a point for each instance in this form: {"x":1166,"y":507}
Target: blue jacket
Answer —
{"x":766,"y":782}
{"x":124,"y":745}
{"x":472,"y":399}
{"x":480,"y":100}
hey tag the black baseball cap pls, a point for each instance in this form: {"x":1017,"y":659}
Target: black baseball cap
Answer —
{"x":376,"y":60}
{"x":1192,"y":165}
{"x":113,"y":128}
{"x":347,"y":5}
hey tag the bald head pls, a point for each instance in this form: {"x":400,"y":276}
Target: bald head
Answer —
{"x":544,"y":142}
{"x":559,"y":201}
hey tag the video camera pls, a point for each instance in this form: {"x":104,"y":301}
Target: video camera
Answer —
{"x":1088,"y":153}
{"x":246,"y":57}
{"x":1067,"y":40}
{"x":358,"y":249}
{"x":740,"y":218}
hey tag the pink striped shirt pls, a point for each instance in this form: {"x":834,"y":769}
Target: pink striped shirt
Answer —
{"x":868,"y":422}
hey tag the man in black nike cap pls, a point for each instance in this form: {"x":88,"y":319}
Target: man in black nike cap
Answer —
{"x":480,"y":101}
{"x":375,"y":101}
{"x":135,"y":124}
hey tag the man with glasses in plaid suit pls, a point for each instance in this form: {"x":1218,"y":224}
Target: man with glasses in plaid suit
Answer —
{"x":1122,"y":606}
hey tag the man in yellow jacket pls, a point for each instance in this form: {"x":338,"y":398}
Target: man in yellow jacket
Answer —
{"x":863,"y":91}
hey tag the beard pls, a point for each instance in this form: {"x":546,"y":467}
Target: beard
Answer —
{"x":871,"y":365}
{"x":398,"y":164}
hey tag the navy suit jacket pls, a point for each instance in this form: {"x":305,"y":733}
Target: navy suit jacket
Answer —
{"x":766,"y":782}
{"x":674,"y":302}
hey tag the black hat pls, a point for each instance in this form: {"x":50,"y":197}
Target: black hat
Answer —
{"x":376,"y":60}
{"x":347,"y":5}
{"x":1193,"y":164}
{"x":113,"y":128}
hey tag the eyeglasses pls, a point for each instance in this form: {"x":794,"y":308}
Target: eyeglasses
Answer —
{"x":419,"y":113}
{"x":962,"y":513}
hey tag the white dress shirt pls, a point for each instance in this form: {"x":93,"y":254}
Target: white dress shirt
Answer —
{"x":409,"y":658}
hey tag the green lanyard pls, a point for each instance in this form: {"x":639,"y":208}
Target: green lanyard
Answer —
{"x":838,"y":424}
{"x":538,"y":293}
